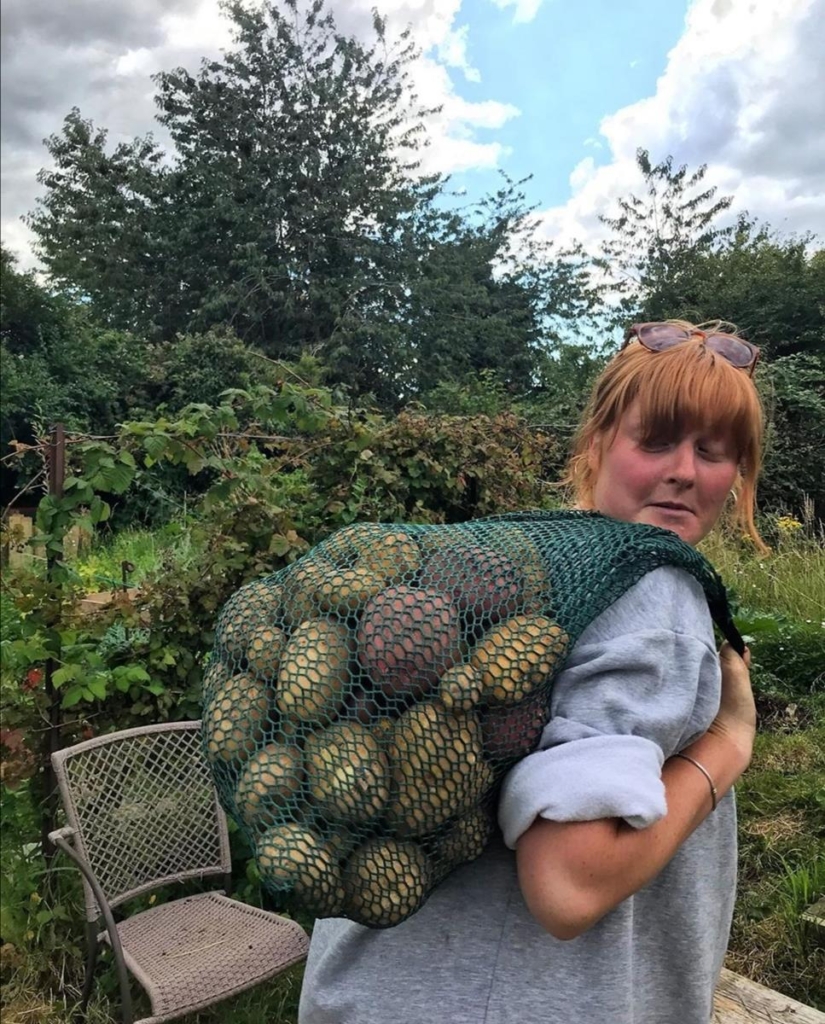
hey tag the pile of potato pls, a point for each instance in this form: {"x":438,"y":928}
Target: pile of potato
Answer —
{"x":362,"y":705}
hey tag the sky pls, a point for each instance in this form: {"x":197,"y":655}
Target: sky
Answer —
{"x":563,"y":90}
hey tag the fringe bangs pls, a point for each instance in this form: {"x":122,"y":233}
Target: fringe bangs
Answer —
{"x":688,"y":388}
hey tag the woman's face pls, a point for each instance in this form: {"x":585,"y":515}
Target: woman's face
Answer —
{"x":678,"y":483}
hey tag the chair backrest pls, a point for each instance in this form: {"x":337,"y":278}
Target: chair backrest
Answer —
{"x":144,"y":810}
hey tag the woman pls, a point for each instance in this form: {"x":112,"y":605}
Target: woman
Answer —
{"x":609,"y":897}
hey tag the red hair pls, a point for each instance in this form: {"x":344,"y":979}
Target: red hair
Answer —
{"x":684,"y":388}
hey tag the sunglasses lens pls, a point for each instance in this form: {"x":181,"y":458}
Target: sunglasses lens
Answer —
{"x":732,"y":349}
{"x":658,"y":337}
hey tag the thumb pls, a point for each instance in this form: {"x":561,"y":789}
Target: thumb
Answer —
{"x":728,"y":654}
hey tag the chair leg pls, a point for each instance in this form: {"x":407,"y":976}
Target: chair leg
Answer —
{"x":93,"y":948}
{"x":126,"y":1008}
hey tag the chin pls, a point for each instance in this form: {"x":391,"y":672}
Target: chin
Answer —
{"x":686,"y":531}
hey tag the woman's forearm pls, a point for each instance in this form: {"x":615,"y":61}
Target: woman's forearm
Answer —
{"x":572,"y":873}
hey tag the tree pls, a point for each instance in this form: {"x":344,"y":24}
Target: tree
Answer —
{"x":794,"y":470}
{"x":656,"y":238}
{"x":770,"y":287}
{"x":273,"y":213}
{"x":291,"y":212}
{"x":57,"y":364}
{"x":100,"y":227}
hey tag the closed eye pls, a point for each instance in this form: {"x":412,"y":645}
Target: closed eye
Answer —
{"x":654,"y":444}
{"x":713,"y":450}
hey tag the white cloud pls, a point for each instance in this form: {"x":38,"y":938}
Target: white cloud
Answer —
{"x":744,"y":92}
{"x":452,"y":51}
{"x":525,"y":11}
{"x":582,"y":173}
{"x":206,"y":28}
{"x":99,"y":57}
{"x":139,"y":61}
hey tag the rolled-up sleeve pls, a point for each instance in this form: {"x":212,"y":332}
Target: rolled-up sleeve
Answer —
{"x":627,"y":700}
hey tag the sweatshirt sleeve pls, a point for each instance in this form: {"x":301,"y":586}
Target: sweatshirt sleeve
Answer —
{"x":642,"y":680}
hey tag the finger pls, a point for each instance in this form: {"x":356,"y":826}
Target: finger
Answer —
{"x":726,"y":651}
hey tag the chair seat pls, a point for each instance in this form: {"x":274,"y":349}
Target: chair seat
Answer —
{"x":192,"y":952}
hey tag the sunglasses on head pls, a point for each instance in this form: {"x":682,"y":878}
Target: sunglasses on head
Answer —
{"x":658,"y":337}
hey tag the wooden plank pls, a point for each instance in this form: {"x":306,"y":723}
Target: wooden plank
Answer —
{"x":815,"y":915}
{"x":741,"y":1001}
{"x":19,"y":531}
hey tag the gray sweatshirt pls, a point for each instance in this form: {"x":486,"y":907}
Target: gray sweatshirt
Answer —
{"x":642,"y":682}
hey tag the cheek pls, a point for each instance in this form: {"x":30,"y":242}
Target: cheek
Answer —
{"x":719,"y":481}
{"x":637,"y":474}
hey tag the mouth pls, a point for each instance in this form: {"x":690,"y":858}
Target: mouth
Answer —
{"x":672,"y":506}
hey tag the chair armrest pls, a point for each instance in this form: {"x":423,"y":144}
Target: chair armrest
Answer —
{"x":61,"y":833}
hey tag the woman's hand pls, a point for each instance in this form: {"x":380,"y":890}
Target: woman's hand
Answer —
{"x":736,"y":718}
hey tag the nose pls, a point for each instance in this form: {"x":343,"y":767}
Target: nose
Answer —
{"x":681,"y":469}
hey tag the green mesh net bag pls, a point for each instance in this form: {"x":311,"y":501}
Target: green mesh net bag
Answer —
{"x":362,"y":705}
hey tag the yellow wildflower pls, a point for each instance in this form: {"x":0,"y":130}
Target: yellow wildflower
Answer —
{"x":788,"y":525}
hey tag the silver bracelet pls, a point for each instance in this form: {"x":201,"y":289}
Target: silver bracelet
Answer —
{"x":713,"y":792}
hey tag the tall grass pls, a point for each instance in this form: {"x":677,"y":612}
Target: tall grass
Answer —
{"x":789,"y":581}
{"x":782,"y":865}
{"x":101,"y":566}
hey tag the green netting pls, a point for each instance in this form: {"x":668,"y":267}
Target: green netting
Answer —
{"x":362,"y":705}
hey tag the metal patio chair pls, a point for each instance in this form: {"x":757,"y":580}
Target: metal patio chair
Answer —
{"x":142,"y":812}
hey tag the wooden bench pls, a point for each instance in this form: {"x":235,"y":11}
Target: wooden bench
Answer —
{"x":740,"y":1001}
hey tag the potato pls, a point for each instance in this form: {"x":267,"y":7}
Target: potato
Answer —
{"x":234,"y":718}
{"x":385,"y":881}
{"x":534,"y":583}
{"x":459,"y":689}
{"x":255,"y":605}
{"x":263,"y":651}
{"x":295,"y":858}
{"x":463,"y":841}
{"x":511,"y":731}
{"x":215,"y":678}
{"x":347,"y":772}
{"x":391,"y":554}
{"x":437,"y":768}
{"x":482,"y":582}
{"x":314,"y":669}
{"x":517,"y":657}
{"x":301,"y":583}
{"x":270,"y":781}
{"x":407,"y":638}
{"x":345,"y":591}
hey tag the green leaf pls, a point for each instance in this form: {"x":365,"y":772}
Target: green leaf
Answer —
{"x":117,"y":478}
{"x":65,"y":674}
{"x":98,"y":511}
{"x":97,"y":685}
{"x":279,"y":545}
{"x":121,"y":681}
{"x":72,"y":696}
{"x":155,"y":446}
